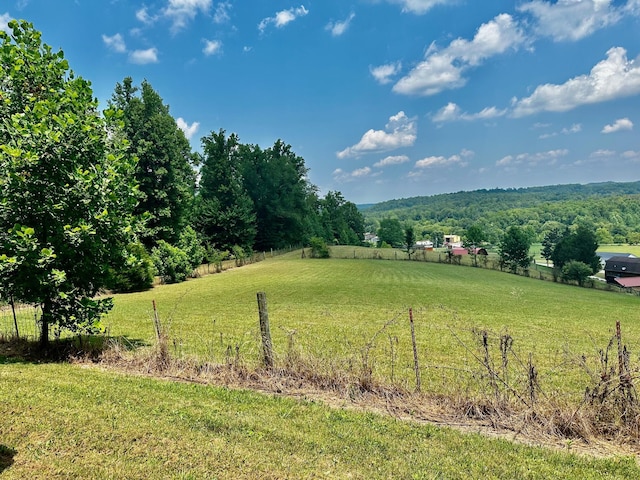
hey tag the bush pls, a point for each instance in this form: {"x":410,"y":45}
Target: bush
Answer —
{"x":319,"y":248}
{"x":172,"y":263}
{"x":190,"y":243}
{"x":578,"y":271}
{"x":136,"y":274}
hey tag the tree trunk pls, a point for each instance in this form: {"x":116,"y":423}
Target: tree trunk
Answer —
{"x":45,"y":320}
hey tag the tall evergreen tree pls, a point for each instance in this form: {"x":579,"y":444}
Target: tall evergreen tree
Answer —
{"x":225,"y":212}
{"x":165,"y":171}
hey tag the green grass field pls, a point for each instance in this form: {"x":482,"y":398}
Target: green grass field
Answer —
{"x":66,"y":421}
{"x":332,"y":309}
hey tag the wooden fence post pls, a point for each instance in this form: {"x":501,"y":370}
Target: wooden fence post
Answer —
{"x":416,"y":366}
{"x":265,"y":333}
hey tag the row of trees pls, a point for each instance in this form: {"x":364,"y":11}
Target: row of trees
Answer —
{"x":89,"y":200}
{"x":613,"y":209}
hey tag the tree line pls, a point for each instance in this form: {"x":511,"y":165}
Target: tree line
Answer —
{"x":611,"y":209}
{"x":92,"y":200}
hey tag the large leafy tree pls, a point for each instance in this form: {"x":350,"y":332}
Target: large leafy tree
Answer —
{"x":390,"y":232}
{"x":580,"y":246}
{"x":66,"y":186}
{"x":165,"y":170}
{"x":514,"y":249}
{"x":341,"y":220}
{"x":276,"y":181}
{"x":225,"y":212}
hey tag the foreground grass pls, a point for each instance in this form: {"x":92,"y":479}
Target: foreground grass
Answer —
{"x":64,"y":421}
{"x":353,"y":311}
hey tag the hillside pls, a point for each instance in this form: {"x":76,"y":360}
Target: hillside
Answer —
{"x":612,"y":206}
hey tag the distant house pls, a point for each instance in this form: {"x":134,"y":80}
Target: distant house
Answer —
{"x":453,"y":240}
{"x":464,"y":251}
{"x":604,"y":256}
{"x":371,"y":238}
{"x":619,"y":267}
{"x":424,"y":245}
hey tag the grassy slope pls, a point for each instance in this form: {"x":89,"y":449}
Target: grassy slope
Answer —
{"x":336,"y":306}
{"x":64,"y":421}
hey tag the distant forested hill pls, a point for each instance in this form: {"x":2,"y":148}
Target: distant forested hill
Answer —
{"x":613,"y":209}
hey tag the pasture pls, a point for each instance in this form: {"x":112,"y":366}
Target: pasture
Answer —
{"x":340,"y":317}
{"x":338,"y":311}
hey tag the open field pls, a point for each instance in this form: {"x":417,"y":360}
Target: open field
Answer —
{"x":66,"y":421}
{"x":331,"y":310}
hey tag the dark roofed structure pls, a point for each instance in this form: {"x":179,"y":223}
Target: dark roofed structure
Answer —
{"x":621,"y":267}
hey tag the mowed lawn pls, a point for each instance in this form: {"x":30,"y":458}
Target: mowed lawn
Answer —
{"x":333,"y":308}
{"x":60,"y":421}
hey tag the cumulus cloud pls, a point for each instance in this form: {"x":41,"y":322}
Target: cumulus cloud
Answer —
{"x":419,"y":6}
{"x":181,"y":12}
{"x":532,"y":159}
{"x":338,"y":28}
{"x":631,"y":155}
{"x":221,"y":14}
{"x":615,"y":77}
{"x":443,"y":69}
{"x":602,"y":153}
{"x":391,"y":160}
{"x":452,"y":112}
{"x":115,"y":43}
{"x":142,"y":57}
{"x":383,"y":73}
{"x":282,"y":18}
{"x":212,"y":47}
{"x":5,"y":18}
{"x":188,"y":130}
{"x":400,"y":131}
{"x":620,"y":124}
{"x":440,"y":161}
{"x":340,"y":175}
{"x":570,"y":19}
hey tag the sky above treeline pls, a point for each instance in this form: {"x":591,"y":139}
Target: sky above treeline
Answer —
{"x":383,"y":99}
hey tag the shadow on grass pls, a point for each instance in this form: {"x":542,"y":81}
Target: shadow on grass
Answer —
{"x":89,"y":347}
{"x":6,"y":457}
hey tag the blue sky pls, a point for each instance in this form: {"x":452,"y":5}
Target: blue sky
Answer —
{"x":383,"y":98}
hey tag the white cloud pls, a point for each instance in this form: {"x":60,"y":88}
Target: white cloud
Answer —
{"x":631,"y":155}
{"x":401,"y":131}
{"x":212,"y":47}
{"x":222,"y":13}
{"x":443,"y":69}
{"x":5,"y":18}
{"x":115,"y":43}
{"x":189,"y":130}
{"x":615,"y":77}
{"x":531,"y":159}
{"x":338,"y":28}
{"x":142,"y":57}
{"x":392,"y":160}
{"x":575,"y":128}
{"x":143,"y":16}
{"x":383,"y":73}
{"x":452,"y":112}
{"x":571,"y":19}
{"x":620,"y":124}
{"x":440,"y":161}
{"x":340,"y":175}
{"x":282,"y":18}
{"x":418,"y":6}
{"x":602,"y":153}
{"x":181,"y":12}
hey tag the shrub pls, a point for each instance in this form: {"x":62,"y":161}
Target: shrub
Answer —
{"x":578,"y":271}
{"x":319,"y":248}
{"x":190,"y":243}
{"x":172,"y":263}
{"x":136,"y":274}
